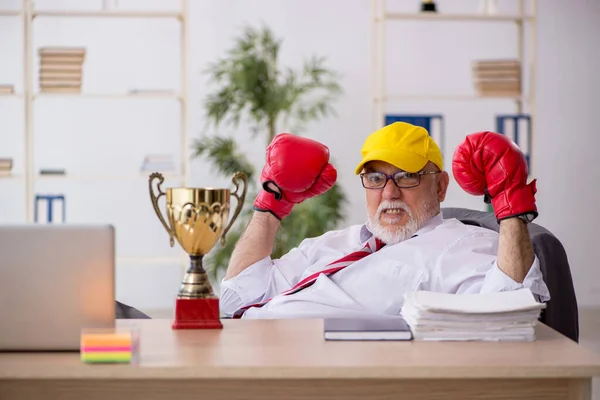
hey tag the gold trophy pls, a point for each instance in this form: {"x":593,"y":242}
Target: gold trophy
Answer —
{"x":197,"y":219}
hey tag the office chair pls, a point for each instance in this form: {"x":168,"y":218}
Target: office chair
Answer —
{"x":123,"y":311}
{"x":561,"y":313}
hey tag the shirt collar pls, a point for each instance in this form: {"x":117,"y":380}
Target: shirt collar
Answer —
{"x":365,"y":233}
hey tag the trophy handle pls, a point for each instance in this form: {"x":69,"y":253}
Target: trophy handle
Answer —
{"x":240,"y":200}
{"x":154,"y":198}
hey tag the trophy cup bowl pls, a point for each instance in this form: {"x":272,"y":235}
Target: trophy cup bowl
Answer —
{"x":197,"y":218}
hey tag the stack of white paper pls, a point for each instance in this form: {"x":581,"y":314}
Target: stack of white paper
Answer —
{"x":492,"y":316}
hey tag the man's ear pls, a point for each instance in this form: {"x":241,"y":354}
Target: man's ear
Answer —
{"x":442,"y":185}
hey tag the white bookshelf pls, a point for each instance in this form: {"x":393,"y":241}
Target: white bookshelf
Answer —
{"x":152,"y":260}
{"x":109,"y":95}
{"x":10,"y":13}
{"x":30,"y":95}
{"x":109,"y":178}
{"x":522,"y":19}
{"x":13,"y":177}
{"x":454,"y":17}
{"x":108,"y":14}
{"x":447,"y":97}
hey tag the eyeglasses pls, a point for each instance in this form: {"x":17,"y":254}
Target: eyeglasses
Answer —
{"x":378,"y":180}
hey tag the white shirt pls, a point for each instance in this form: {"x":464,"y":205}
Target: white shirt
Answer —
{"x":444,"y":256}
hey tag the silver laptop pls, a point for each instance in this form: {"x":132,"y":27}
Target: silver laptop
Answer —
{"x":55,"y":280}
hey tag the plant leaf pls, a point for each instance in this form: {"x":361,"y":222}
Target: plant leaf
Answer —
{"x":224,"y":155}
{"x":251,"y":87}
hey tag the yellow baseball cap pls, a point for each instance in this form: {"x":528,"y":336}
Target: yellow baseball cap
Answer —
{"x":408,"y":147}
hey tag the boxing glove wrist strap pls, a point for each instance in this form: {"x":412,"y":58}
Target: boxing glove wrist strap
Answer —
{"x":275,"y":193}
{"x":272,"y":201}
{"x":266,"y":210}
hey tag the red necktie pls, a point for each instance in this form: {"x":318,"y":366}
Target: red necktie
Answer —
{"x":372,"y":246}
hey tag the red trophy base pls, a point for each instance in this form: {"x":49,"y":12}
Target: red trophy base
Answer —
{"x":197,"y":314}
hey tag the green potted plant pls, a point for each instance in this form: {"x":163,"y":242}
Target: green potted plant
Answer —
{"x":252,"y":87}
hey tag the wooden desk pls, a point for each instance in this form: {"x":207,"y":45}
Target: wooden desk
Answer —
{"x":288,"y":359}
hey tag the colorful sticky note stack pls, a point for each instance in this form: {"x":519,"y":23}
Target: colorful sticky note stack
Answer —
{"x":108,"y":347}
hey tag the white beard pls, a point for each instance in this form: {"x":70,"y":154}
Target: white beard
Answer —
{"x":396,"y":234}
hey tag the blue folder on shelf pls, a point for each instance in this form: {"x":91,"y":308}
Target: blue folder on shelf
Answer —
{"x":45,"y":212}
{"x":518,"y":128}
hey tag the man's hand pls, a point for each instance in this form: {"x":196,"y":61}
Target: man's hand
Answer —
{"x":296,"y":169}
{"x":490,"y":164}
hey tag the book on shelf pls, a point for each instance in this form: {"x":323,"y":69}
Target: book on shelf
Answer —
{"x":497,"y":78}
{"x":67,"y":55}
{"x":61,"y":60}
{"x":495,"y":69}
{"x":158,"y":163}
{"x":52,"y":171}
{"x":497,"y":63}
{"x":7,"y":88}
{"x":61,"y":89}
{"x":163,"y":92}
{"x":498,"y":88}
{"x":62,"y":50}
{"x":49,"y":209}
{"x":59,"y":75}
{"x":497,"y":74}
{"x":60,"y":84}
{"x":6,"y":163}
{"x":495,"y":85}
{"x":61,"y":57}
{"x":498,"y":93}
{"x":69,"y":90}
{"x":61,"y":69}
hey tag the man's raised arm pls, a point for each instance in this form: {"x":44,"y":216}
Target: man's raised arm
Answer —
{"x":296,"y":169}
{"x":490,"y":164}
{"x":515,"y":251}
{"x":256,"y":243}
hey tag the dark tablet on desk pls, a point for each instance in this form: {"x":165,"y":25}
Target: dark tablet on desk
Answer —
{"x":373,"y":328}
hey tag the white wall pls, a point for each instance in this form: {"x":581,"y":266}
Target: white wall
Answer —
{"x":425,"y":58}
{"x":568,"y":92}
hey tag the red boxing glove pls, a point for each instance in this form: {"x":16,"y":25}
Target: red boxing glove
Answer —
{"x":490,"y":164}
{"x":299,"y":167}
